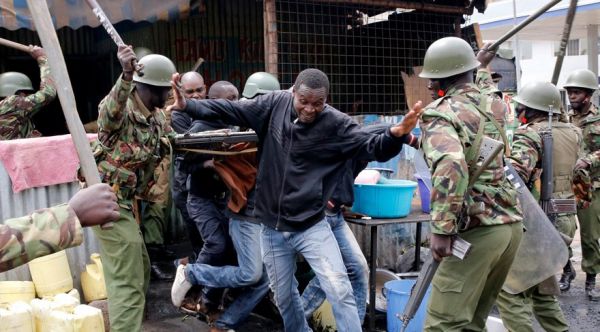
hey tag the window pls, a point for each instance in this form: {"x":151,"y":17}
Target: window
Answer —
{"x":526,"y":49}
{"x":573,"y":47}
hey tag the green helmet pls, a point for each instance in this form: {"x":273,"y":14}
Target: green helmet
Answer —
{"x":12,"y":81}
{"x":157,"y":70}
{"x":447,"y":57}
{"x":541,"y":96}
{"x":260,"y":83}
{"x":582,"y":78}
{"x":141,"y":52}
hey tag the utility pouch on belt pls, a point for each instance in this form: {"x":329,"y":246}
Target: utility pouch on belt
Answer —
{"x":489,"y":149}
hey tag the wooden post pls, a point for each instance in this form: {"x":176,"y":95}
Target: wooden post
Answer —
{"x":270,"y":35}
{"x":58,"y":69}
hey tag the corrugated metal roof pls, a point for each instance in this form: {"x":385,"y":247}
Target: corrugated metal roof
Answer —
{"x":20,"y":204}
{"x":14,"y":14}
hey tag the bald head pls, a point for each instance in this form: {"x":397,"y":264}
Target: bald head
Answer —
{"x":223,"y":90}
{"x":193,"y":85}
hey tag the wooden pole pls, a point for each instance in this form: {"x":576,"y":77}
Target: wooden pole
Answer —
{"x":270,"y":33}
{"x":564,"y":41}
{"x":10,"y":43}
{"x":523,"y":24}
{"x":58,"y":69}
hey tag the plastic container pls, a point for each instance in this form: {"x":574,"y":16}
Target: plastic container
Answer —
{"x":51,"y":274}
{"x":16,"y":317}
{"x":13,"y":291}
{"x":384,"y":200}
{"x":323,"y":318}
{"x":92,"y":280}
{"x":425,"y":195}
{"x":397,"y":293}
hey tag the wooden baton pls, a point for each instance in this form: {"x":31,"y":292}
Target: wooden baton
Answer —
{"x":112,"y":32}
{"x":14,"y":45}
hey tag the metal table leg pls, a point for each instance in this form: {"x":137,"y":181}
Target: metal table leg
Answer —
{"x":372,"y":278}
{"x":417,"y":248}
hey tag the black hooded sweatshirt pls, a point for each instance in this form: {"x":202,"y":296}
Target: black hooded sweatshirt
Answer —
{"x":300,"y":164}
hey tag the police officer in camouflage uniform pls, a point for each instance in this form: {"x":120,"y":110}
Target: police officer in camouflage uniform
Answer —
{"x":47,"y":231}
{"x":18,"y":105}
{"x":132,"y":141}
{"x":535,"y":101}
{"x":156,"y":212}
{"x":485,"y":212}
{"x":580,"y":86}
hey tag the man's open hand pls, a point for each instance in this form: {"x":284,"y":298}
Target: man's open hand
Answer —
{"x":409,"y":122}
{"x":179,"y":99}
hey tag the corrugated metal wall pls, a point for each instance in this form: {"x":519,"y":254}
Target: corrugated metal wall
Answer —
{"x":22,"y":203}
{"x":228,"y":35}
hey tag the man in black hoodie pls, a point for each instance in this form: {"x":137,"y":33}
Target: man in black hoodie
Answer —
{"x":304,"y":146}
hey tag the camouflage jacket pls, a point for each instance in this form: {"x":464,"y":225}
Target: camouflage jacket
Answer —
{"x":40,"y":233}
{"x":132,"y":141}
{"x":589,"y":123}
{"x":449,"y":126}
{"x":16,"y":111}
{"x":527,"y":151}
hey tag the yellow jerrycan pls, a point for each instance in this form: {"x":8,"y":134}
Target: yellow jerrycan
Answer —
{"x":92,"y":280}
{"x":51,"y":274}
{"x":13,"y":291}
{"x":16,"y":317}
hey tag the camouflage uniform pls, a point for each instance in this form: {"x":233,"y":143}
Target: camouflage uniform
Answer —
{"x":132,"y":141}
{"x":156,"y":213}
{"x":516,"y":310}
{"x":589,"y":122}
{"x":463,"y":292}
{"x":41,"y":233}
{"x":16,"y":111}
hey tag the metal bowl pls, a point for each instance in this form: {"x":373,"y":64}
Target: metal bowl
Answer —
{"x":381,"y":277}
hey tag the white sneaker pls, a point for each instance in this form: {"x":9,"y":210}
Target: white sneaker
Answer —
{"x":180,"y":286}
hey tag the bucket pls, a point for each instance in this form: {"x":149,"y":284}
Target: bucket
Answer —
{"x":424,"y":194}
{"x":13,"y":291}
{"x":397,"y":293}
{"x":92,"y":280}
{"x":384,"y":200}
{"x":51,"y":274}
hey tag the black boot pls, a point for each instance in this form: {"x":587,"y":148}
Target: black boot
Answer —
{"x":590,"y":285}
{"x":160,"y":272}
{"x":567,"y":276}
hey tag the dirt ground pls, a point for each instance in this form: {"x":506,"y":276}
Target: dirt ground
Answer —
{"x":583,"y":315}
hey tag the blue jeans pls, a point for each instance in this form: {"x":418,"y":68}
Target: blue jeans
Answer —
{"x":246,"y":240}
{"x":356,"y":264}
{"x":213,"y":225}
{"x":250,"y":274}
{"x":320,"y":249}
{"x":180,"y":197}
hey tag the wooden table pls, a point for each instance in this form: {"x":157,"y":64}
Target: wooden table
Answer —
{"x":415,"y":216}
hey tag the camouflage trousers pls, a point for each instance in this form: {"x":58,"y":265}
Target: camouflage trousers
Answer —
{"x":589,"y":224}
{"x":126,"y":271}
{"x":464,"y":292}
{"x":517,"y":311}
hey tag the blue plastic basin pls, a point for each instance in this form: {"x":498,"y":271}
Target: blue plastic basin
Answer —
{"x":384,"y":200}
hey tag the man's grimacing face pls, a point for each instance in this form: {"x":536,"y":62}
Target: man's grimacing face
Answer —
{"x":308,"y":102}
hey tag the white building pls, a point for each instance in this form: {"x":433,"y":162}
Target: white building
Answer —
{"x":540,"y":41}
